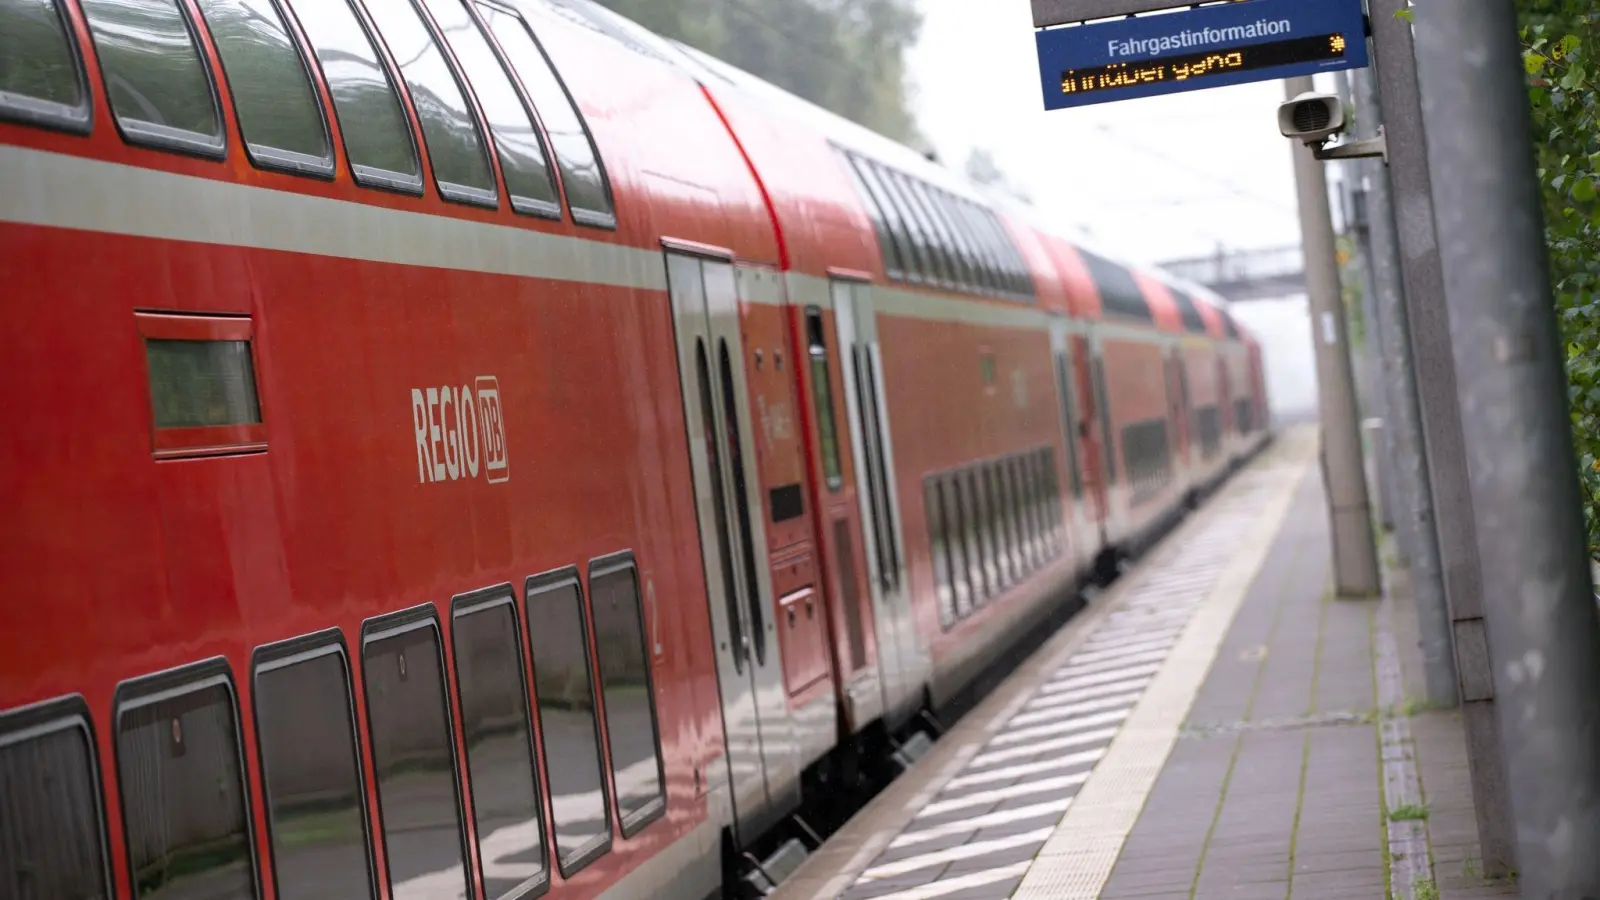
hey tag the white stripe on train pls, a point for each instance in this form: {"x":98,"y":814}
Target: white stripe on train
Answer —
{"x":60,"y":190}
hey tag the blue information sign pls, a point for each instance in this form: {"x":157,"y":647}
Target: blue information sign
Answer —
{"x":1203,"y":47}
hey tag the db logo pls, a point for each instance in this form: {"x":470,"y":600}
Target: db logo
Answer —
{"x":460,"y":432}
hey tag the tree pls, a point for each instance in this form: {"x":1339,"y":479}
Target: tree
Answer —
{"x":847,"y":56}
{"x":1562,"y":51}
{"x":982,"y":168}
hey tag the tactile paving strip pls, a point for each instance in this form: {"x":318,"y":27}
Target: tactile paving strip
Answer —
{"x":1077,"y":859}
{"x":1122,"y":693}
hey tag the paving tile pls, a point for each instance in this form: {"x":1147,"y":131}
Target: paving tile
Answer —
{"x":1262,"y":891}
{"x":999,"y":890}
{"x":1164,"y":880}
{"x":1315,"y":884}
{"x":945,"y":842}
{"x":993,"y":860}
{"x":1344,"y":666}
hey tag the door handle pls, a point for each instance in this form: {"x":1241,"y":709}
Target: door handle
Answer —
{"x":811,"y":608}
{"x":790,"y":611}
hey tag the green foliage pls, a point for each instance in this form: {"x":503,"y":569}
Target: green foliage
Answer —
{"x":1408,"y":812}
{"x":1561,"y":42}
{"x":845,"y":55}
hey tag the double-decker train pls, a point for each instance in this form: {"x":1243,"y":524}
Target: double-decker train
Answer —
{"x":475,"y":448}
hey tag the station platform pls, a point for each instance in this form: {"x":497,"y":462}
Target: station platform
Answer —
{"x":1215,"y":725}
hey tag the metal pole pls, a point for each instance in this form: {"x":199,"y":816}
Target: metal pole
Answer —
{"x":1434,"y":367}
{"x":1355,"y":555}
{"x":1544,"y":634}
{"x":1405,"y":422}
{"x":1374,"y":402}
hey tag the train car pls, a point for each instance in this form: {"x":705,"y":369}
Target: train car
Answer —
{"x":476,"y":448}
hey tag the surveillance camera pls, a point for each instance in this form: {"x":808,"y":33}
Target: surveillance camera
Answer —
{"x":1311,"y":118}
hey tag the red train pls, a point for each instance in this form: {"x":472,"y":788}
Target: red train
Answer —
{"x":469,"y":448}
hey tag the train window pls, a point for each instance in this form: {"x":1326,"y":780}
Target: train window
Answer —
{"x":455,"y":148}
{"x":51,"y":833}
{"x":787,"y":502}
{"x":909,"y":254}
{"x":377,"y":135}
{"x":965,"y":253}
{"x":279,"y":114}
{"x":185,"y":811}
{"x":822,"y":395}
{"x":582,"y":172}
{"x":1025,"y":285}
{"x":1189,"y":312}
{"x":159,"y":86}
{"x":626,"y":689}
{"x":959,"y":213}
{"x":1017,"y":484}
{"x":867,"y":390}
{"x":1052,"y":495}
{"x":978,"y":559}
{"x":311,"y":770}
{"x":563,"y":685}
{"x":1020,"y":281}
{"x":944,"y":250}
{"x":734,"y":446}
{"x":956,"y":529}
{"x":922,"y":230}
{"x":529,"y":180}
{"x":719,"y":500}
{"x":1017,"y":488}
{"x":413,"y":757}
{"x":1041,"y":507}
{"x":1047,"y":484}
{"x":1119,"y":293}
{"x":1015,"y":476}
{"x":971,"y":250}
{"x":955,"y":259}
{"x":880,"y":222}
{"x":41,"y":82}
{"x":966,"y":250}
{"x":938,"y":550}
{"x":1229,"y":326}
{"x":1010,"y":508}
{"x":994,"y":539}
{"x":971,"y":215}
{"x":994,"y":276}
{"x":203,"y":398}
{"x":1017,"y":279}
{"x":201,"y":384}
{"x":1145,"y":448}
{"x":992,"y":526}
{"x":1241,"y":415}
{"x":506,"y":810}
{"x":927,"y":264}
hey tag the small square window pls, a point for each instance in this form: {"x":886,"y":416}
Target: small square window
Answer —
{"x":203,"y":396}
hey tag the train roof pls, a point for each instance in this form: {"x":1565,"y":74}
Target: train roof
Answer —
{"x":856,"y":138}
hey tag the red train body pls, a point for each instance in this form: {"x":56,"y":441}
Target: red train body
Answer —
{"x":392,"y":522}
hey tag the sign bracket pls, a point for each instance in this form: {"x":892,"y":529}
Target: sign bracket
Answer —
{"x":1362,"y":149}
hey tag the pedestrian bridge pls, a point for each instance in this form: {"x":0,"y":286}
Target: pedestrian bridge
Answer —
{"x":1244,"y":275}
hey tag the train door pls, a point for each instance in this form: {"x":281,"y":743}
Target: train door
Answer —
{"x":1182,"y":412}
{"x":901,"y":662}
{"x":760,"y":744}
{"x":1096,"y":428}
{"x":1071,"y":400}
{"x":839,"y":532}
{"x":1224,"y":427}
